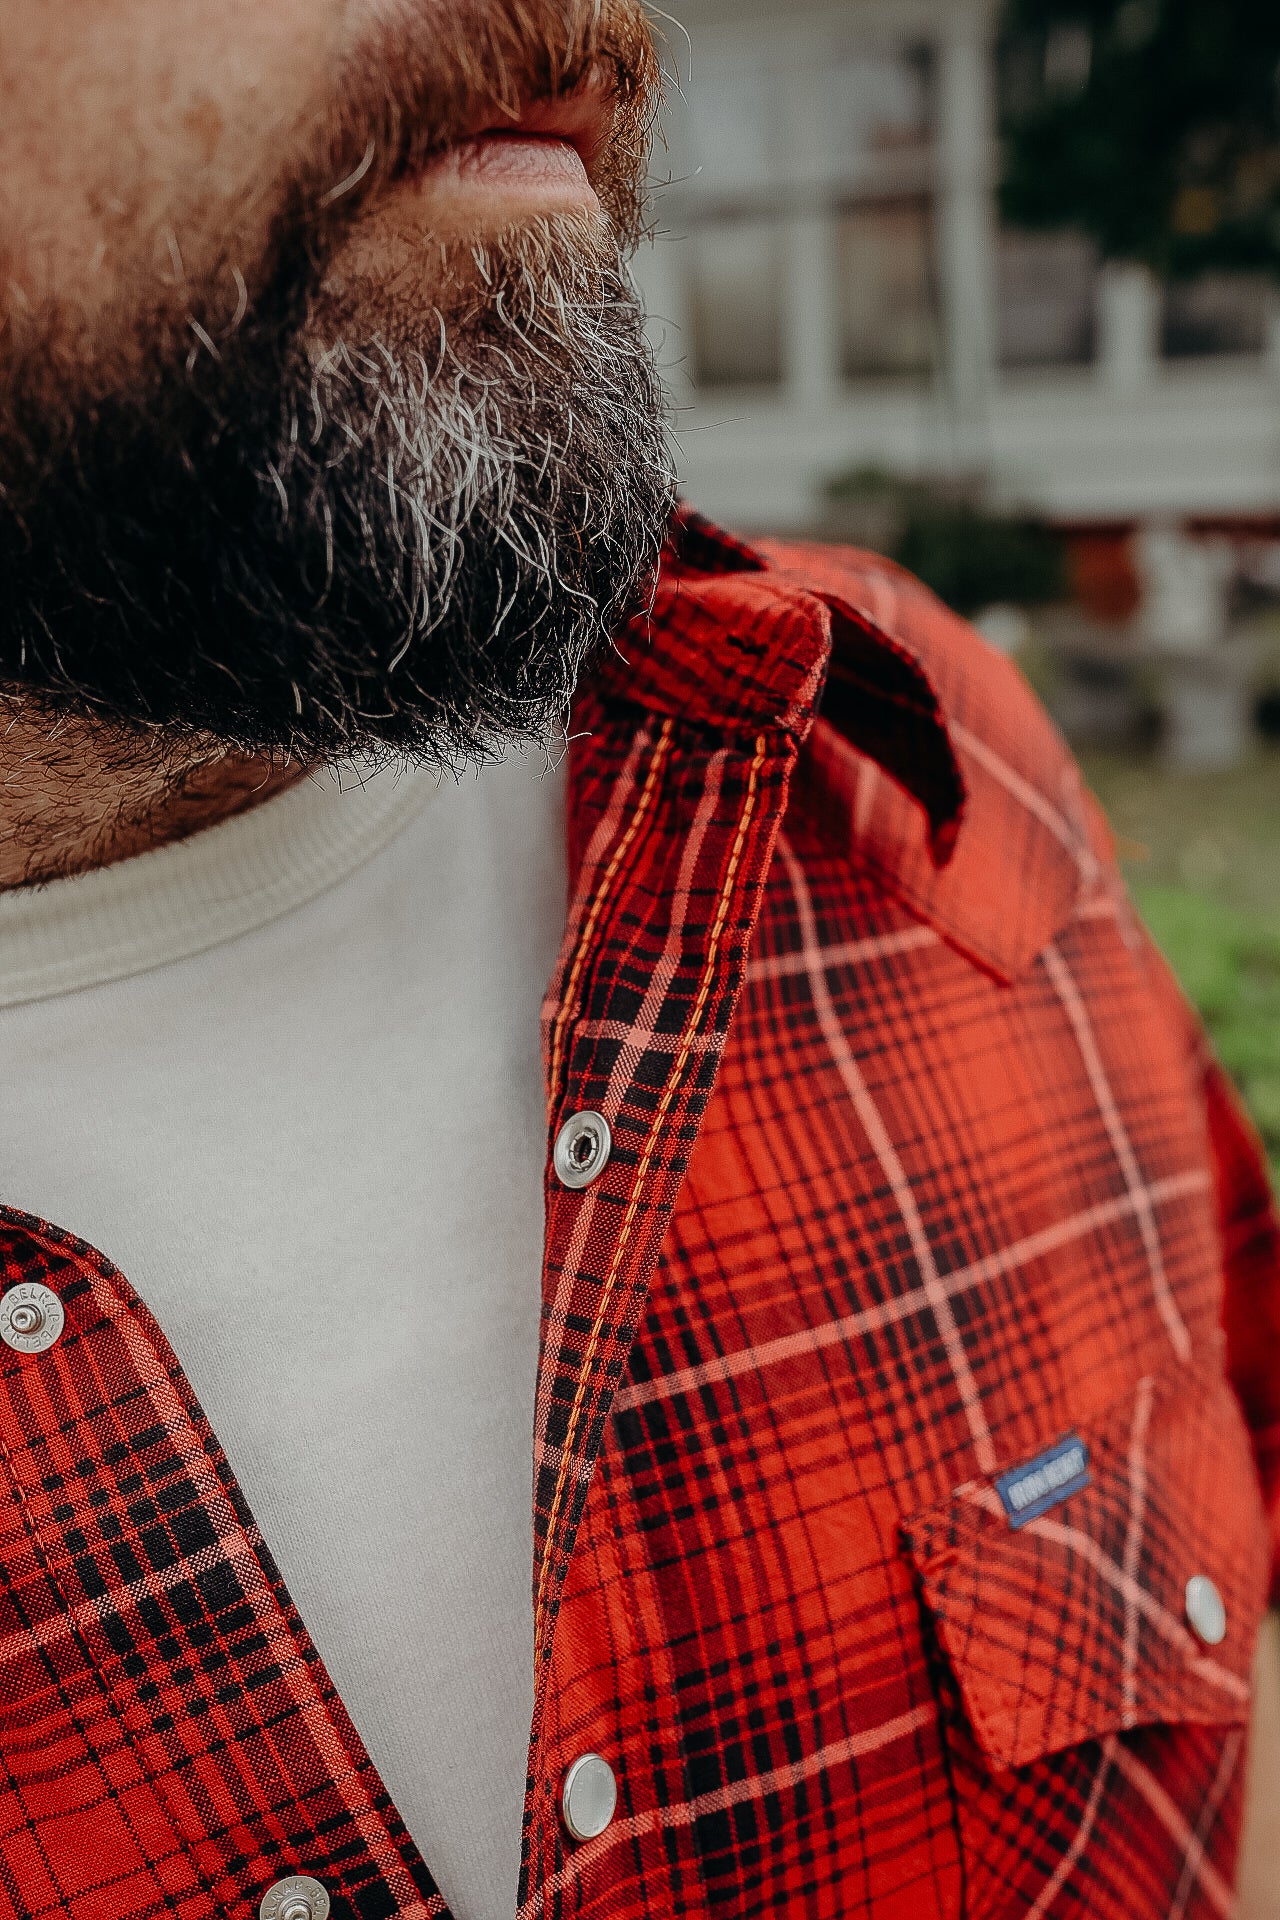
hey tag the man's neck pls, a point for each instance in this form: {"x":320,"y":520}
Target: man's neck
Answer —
{"x":75,"y":795}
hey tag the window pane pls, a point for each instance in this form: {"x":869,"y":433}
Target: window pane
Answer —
{"x":881,"y":102}
{"x":1048,"y":299}
{"x":735,"y":290}
{"x":1223,"y":313}
{"x":887,"y":308}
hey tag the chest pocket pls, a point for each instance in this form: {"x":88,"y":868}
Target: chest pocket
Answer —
{"x":1109,"y":1585}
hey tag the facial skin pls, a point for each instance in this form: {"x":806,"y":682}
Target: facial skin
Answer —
{"x":148,"y":147}
{"x":325,"y":418}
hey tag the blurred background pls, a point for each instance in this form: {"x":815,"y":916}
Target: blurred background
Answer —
{"x":995,"y":288}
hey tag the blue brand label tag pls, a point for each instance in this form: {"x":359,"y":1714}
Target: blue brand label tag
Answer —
{"x":1049,"y":1478}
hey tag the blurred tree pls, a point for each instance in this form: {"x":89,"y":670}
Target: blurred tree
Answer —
{"x":1151,"y":125}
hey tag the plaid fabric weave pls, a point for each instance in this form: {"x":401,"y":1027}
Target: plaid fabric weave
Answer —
{"x":919,"y":1166}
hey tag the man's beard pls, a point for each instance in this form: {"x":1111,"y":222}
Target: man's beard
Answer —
{"x":339,"y":536}
{"x":409,"y":543}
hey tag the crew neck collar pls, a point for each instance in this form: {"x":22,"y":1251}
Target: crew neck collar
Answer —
{"x":211,"y":887}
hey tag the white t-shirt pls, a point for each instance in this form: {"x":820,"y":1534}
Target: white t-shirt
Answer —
{"x":286,"y":1075}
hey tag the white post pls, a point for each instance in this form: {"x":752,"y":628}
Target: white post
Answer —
{"x":810,"y":328}
{"x":810,"y":292}
{"x":1128,"y":326}
{"x":966,"y":225}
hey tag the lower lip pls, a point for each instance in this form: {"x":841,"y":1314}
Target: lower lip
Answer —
{"x":514,"y":167}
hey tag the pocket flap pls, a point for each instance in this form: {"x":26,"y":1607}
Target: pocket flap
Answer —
{"x":1059,"y":1585}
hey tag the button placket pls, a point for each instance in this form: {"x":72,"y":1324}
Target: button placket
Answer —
{"x":657,"y":1073}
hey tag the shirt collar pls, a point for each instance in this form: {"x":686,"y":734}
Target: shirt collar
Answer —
{"x":980,"y":824}
{"x":739,"y":636}
{"x":727,"y":643}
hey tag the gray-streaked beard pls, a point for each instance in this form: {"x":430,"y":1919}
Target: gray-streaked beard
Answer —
{"x":504,"y":485}
{"x":404,"y":539}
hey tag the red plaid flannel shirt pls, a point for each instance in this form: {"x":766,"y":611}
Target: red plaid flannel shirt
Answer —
{"x":919,"y":1167}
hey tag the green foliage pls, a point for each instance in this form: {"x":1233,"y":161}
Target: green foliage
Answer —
{"x":974,"y":559}
{"x":1151,"y":125}
{"x":971,"y":556}
{"x":1229,"y":965}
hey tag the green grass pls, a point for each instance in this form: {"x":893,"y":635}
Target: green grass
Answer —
{"x":1202,"y":857}
{"x":1229,"y":964}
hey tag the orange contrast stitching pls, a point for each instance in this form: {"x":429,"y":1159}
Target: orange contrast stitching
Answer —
{"x":597,"y":906}
{"x":668,"y":1095}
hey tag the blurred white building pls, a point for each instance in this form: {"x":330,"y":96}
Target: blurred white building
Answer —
{"x":830,"y":288}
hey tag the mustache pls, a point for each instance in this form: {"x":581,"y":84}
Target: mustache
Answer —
{"x":415,"y":87}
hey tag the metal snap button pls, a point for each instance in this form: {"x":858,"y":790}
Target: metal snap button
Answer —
{"x":588,"y":1797}
{"x":582,"y":1150}
{"x":297,"y":1898}
{"x":31,"y":1317}
{"x":1206,"y":1610}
